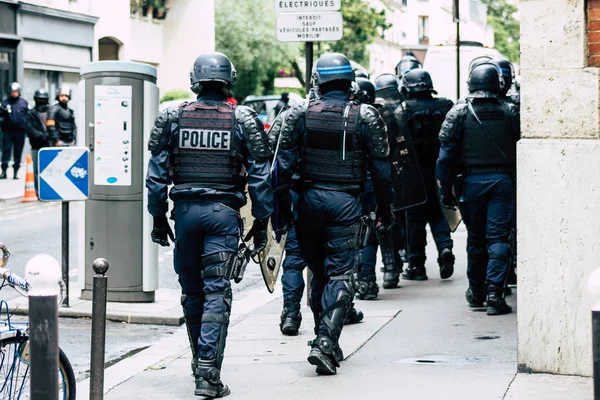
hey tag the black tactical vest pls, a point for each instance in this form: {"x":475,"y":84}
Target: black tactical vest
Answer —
{"x":206,"y":153}
{"x":329,"y":156}
{"x":491,"y":143}
{"x":65,"y":123}
{"x":426,"y":118}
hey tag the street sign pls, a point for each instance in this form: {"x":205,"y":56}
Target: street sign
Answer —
{"x":63,"y":173}
{"x":310,"y":26}
{"x":306,"y":5}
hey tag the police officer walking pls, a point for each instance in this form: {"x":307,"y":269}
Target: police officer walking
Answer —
{"x":333,"y":141}
{"x":478,"y":141}
{"x":36,"y":129}
{"x":61,"y":120}
{"x":206,"y":149}
{"x":14,"y":109}
{"x":421,"y":117}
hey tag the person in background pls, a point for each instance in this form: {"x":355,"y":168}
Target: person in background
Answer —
{"x":35,"y":123}
{"x":14,"y":110}
{"x":61,"y":120}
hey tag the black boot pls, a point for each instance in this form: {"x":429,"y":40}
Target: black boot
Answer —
{"x":496,"y":305}
{"x":353,"y":317}
{"x":16,"y":173}
{"x":3,"y":174}
{"x":415,"y":273}
{"x":291,"y":318}
{"x":322,"y":355}
{"x":446,"y":263}
{"x":367,"y":290}
{"x":208,"y":380}
{"x":475,"y":296}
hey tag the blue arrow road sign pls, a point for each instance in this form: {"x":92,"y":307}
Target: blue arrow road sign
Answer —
{"x":63,"y":173}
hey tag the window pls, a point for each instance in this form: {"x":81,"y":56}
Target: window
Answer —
{"x":423,"y":29}
{"x":404,"y":3}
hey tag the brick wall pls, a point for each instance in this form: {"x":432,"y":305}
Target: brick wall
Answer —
{"x":593,"y":33}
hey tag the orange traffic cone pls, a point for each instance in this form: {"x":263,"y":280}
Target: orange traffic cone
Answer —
{"x":30,"y":194}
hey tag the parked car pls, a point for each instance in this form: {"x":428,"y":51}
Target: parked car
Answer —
{"x":265,"y":106}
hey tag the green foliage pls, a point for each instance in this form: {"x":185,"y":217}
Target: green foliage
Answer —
{"x":501,"y":16}
{"x":245,"y":32}
{"x":176,"y":95}
{"x":362,"y":24}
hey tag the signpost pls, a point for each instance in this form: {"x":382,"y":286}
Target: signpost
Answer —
{"x":64,"y":176}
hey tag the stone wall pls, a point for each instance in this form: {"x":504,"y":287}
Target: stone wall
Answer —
{"x":558,"y":184}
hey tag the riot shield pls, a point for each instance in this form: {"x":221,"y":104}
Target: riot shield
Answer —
{"x":409,"y":187}
{"x":453,"y":217}
{"x":271,"y":257}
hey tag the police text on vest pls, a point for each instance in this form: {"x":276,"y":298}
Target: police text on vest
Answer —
{"x":205,"y":140}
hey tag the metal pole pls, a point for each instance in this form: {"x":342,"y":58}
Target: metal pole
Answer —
{"x":100,"y":267}
{"x":65,"y":249}
{"x":43,"y":273}
{"x":596,"y":351}
{"x":457,"y":20}
{"x":308,"y":54}
{"x":308,"y":79}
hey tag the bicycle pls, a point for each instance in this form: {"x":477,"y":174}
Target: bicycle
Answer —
{"x":14,"y":345}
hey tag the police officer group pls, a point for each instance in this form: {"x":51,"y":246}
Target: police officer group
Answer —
{"x":357,"y":166}
{"x":45,"y":125}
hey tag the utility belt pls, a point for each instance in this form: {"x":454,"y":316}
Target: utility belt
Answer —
{"x":354,"y":190}
{"x":488,"y":169}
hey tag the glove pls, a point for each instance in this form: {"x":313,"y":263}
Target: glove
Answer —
{"x":385,"y":217}
{"x":259,"y":233}
{"x":448,"y":200}
{"x":162,"y":231}
{"x":286,"y":215}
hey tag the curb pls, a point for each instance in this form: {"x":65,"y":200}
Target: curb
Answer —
{"x":12,"y":199}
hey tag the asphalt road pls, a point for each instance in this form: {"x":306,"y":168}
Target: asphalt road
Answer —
{"x":33,"y":228}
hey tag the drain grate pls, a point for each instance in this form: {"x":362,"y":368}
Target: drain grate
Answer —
{"x":442,"y":360}
{"x":487,"y":337}
{"x":426,"y":361}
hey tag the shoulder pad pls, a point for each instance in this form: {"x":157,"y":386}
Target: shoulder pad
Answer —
{"x":452,"y":121}
{"x":290,"y":120}
{"x":254,"y":132}
{"x":376,"y":130}
{"x":160,"y":131}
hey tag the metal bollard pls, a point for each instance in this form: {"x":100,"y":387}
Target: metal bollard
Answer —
{"x":98,"y":330}
{"x":594,"y":291}
{"x":43,"y":273}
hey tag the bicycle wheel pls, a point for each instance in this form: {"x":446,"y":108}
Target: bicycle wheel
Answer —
{"x":14,"y":370}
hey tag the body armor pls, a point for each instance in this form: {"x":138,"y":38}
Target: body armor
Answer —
{"x":489,"y":146}
{"x":426,"y":118}
{"x":64,"y":123}
{"x":331,"y":151}
{"x":206,"y":152}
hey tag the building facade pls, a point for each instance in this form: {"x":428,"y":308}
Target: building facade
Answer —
{"x":418,"y":24}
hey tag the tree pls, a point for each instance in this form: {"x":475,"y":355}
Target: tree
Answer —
{"x":245,"y":32}
{"x":362,"y":24}
{"x":501,"y":16}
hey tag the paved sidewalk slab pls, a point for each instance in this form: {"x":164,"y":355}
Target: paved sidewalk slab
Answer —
{"x":550,"y":387}
{"x":13,"y":189}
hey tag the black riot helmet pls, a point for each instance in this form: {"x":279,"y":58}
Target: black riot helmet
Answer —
{"x":332,"y":67}
{"x":406,"y":64}
{"x":417,"y":81}
{"x":478,"y":61}
{"x":212,"y":67}
{"x":486,"y":76}
{"x":41,"y":94}
{"x":364,"y":90}
{"x":15,"y":87}
{"x":385,"y":81}
{"x":508,"y":72}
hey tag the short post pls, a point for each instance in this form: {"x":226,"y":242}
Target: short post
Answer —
{"x":594,"y":291}
{"x":100,"y":267}
{"x":43,"y":273}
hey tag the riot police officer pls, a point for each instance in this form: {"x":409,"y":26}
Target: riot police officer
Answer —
{"x":477,"y":157}
{"x":203,"y":148}
{"x":337,"y":140}
{"x":36,"y":129}
{"x":421,"y":117}
{"x":508,"y":74}
{"x":407,"y":63}
{"x":14,"y":110}
{"x":61,"y":120}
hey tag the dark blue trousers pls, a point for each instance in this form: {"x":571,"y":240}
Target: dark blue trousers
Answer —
{"x":320,"y":214}
{"x":419,"y":216}
{"x":201,"y":229}
{"x":292,"y":279}
{"x":487,"y":207}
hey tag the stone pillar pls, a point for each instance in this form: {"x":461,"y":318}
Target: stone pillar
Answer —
{"x":558,"y":186}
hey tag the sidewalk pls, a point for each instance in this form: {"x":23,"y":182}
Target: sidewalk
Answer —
{"x":13,"y":189}
{"x":419,"y":342}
